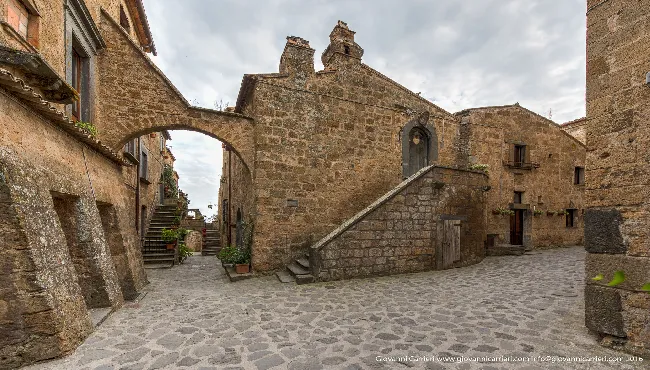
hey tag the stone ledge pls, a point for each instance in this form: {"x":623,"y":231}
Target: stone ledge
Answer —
{"x":233,"y":276}
{"x":636,"y":269}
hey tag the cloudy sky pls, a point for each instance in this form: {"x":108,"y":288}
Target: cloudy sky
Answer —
{"x":458,"y":54}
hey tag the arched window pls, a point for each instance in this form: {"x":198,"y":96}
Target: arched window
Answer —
{"x":419,"y":145}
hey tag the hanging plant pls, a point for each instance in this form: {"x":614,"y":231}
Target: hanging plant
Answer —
{"x":503,"y":211}
{"x":538,"y":212}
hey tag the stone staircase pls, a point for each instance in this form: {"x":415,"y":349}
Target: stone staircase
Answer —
{"x":211,"y":243}
{"x":154,"y":249}
{"x":298,"y":271}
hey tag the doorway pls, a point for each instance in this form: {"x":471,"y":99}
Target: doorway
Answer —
{"x":517,"y":227}
{"x":418,"y":150}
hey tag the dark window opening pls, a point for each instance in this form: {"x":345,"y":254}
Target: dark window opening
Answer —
{"x":224,"y":210}
{"x":124,"y":20}
{"x":80,"y":82}
{"x":144,"y":165}
{"x":346,"y":49}
{"x":570,"y":217}
{"x":519,"y":155}
{"x":579,"y":176}
{"x":519,"y":196}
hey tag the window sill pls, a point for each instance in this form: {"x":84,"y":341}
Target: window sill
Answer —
{"x":131,"y":158}
{"x":144,"y":181}
{"x":579,"y":184}
{"x":521,"y":166}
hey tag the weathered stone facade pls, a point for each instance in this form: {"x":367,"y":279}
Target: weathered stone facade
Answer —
{"x":329,"y":143}
{"x":616,"y":232}
{"x":410,"y":229}
{"x":545,"y":178}
{"x":70,"y":229}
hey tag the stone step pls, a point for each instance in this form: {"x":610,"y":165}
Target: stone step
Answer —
{"x":157,"y":256}
{"x":285,"y":276}
{"x":151,"y":266}
{"x":303,"y":262}
{"x":304,"y":279}
{"x":296,"y":270}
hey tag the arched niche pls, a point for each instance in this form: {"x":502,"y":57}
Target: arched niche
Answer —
{"x":419,"y":144}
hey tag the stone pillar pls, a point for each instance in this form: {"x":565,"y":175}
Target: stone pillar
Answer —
{"x":617,"y":172}
{"x":297,"y":58}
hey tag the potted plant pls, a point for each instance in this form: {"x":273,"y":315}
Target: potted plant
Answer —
{"x":183,"y":252}
{"x":170,"y":237}
{"x":550,"y":213}
{"x":242,"y":261}
{"x":227,"y":255}
{"x":537,"y":212}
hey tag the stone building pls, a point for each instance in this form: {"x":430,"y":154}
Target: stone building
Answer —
{"x":617,"y":131}
{"x":577,"y":129}
{"x":330,"y":143}
{"x":536,"y":171}
{"x":73,"y":208}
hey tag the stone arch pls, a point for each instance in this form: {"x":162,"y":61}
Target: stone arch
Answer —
{"x":419,"y":124}
{"x":137,"y":98}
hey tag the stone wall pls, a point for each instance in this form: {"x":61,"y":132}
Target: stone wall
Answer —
{"x":327,"y":145}
{"x":548,"y":187}
{"x":404,"y":231}
{"x":618,"y":134}
{"x":48,"y":292}
{"x":237,"y":187}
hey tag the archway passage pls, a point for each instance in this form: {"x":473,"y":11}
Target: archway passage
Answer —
{"x":138,"y":99}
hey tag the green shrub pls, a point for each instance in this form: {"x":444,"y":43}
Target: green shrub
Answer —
{"x":88,"y":127}
{"x":183,"y":252}
{"x":169,"y":235}
{"x":241,"y":257}
{"x":227,"y":254}
{"x":480,"y":167}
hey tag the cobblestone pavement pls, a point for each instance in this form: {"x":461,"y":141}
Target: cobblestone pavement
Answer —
{"x":193,"y":318}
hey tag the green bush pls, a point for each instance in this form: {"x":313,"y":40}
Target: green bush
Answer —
{"x":183,"y":252}
{"x":227,"y":254}
{"x":88,"y":127}
{"x":241,"y":257}
{"x":182,"y":233}
{"x":169,"y":235}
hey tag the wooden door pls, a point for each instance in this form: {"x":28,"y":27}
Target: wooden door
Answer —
{"x":517,"y":227}
{"x":450,"y":242}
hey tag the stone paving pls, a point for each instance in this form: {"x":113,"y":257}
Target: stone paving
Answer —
{"x":193,"y":318}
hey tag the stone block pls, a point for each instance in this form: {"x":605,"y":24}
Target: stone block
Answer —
{"x":636,"y":269}
{"x":602,"y":231}
{"x":603,"y":311}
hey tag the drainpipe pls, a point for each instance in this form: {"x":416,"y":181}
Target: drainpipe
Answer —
{"x":229,"y":198}
{"x":137,"y":192}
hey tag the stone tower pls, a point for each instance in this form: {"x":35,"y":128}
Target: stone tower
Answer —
{"x":342,"y":46}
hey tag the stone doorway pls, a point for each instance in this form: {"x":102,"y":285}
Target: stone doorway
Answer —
{"x":517,"y":227}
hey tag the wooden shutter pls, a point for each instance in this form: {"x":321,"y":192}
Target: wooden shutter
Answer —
{"x":510,"y":153}
{"x":527,"y":151}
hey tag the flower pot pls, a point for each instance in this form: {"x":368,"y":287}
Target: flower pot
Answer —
{"x":243,"y":268}
{"x":152,"y":135}
{"x":495,"y":212}
{"x":171,"y":246}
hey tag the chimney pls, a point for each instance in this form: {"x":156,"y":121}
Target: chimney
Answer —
{"x":297,"y":57}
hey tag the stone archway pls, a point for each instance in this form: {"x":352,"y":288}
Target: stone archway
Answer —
{"x":138,"y":98}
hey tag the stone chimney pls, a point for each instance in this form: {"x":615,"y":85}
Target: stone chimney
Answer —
{"x":297,"y":57}
{"x":341,"y":45}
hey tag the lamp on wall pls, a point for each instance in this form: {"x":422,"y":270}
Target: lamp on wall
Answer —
{"x":647,"y":79}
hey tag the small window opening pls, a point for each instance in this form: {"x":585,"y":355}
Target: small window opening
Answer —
{"x":144,"y":165}
{"x":18,"y":17}
{"x":579,"y":176}
{"x":519,"y":155}
{"x":570,"y":217}
{"x":346,"y":49}
{"x":519,"y":196}
{"x":539,"y":199}
{"x":124,"y":20}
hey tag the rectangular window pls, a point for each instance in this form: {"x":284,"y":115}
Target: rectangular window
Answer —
{"x":519,"y":196}
{"x":18,"y":17}
{"x":519,"y":155}
{"x":570,"y":217}
{"x":124,"y":20}
{"x":579,"y":176}
{"x":144,"y":165}
{"x":80,"y":83}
